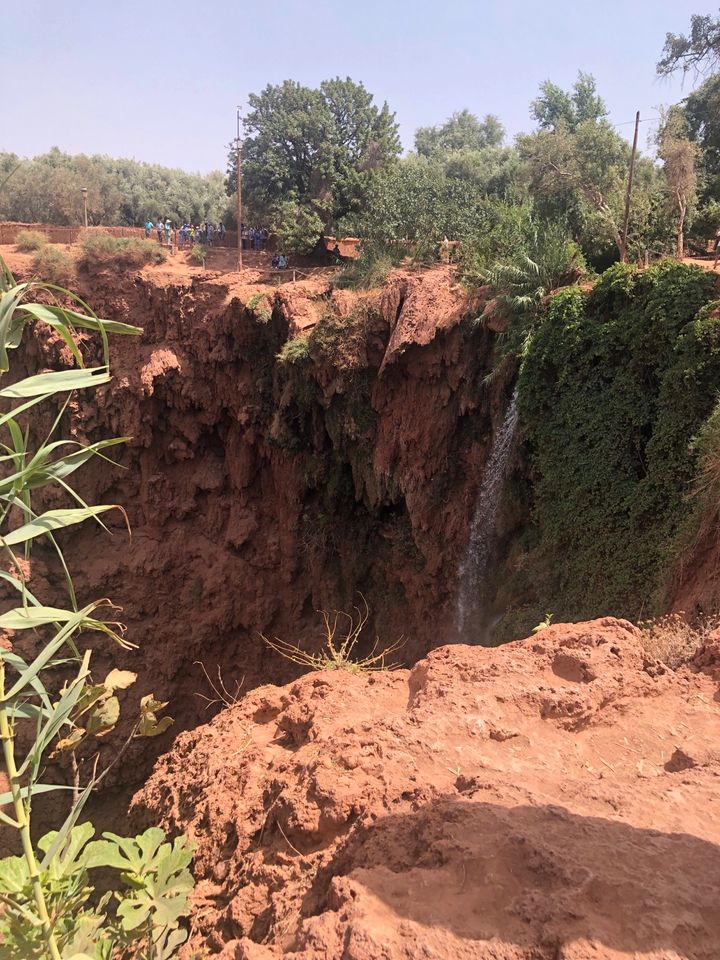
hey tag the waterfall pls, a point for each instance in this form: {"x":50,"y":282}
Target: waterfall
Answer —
{"x":482,"y":531}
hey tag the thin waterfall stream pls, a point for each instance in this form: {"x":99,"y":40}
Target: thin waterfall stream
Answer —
{"x":468,"y":625}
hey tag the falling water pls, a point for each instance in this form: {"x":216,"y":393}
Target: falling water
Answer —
{"x":482,"y":531}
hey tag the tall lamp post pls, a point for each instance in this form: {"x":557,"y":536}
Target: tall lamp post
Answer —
{"x":239,"y":194}
{"x":83,"y":191}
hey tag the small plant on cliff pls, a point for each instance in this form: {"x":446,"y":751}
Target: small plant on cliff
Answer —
{"x":53,"y":265}
{"x":341,"y":635}
{"x":294,"y":351}
{"x":259,"y":306}
{"x":50,"y":707}
{"x":199,"y":255}
{"x":28,"y":241}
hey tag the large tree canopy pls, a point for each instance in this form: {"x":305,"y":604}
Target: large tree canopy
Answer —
{"x":699,"y":50}
{"x":556,"y":107}
{"x":310,"y":155}
{"x":461,"y":131}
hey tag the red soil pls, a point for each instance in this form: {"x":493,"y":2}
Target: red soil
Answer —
{"x":553,"y":798}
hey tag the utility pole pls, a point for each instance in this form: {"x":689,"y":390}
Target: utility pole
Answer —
{"x":239,"y":195}
{"x":629,"y":188}
{"x":83,"y":191}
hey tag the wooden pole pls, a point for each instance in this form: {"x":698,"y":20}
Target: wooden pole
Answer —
{"x":631,"y":177}
{"x":239,"y":197}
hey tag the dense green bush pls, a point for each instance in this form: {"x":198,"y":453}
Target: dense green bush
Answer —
{"x":53,"y":265}
{"x":29,"y":240}
{"x":199,"y":254}
{"x":295,"y":351}
{"x":614,"y":386}
{"x":103,"y":250}
{"x":372,"y":267}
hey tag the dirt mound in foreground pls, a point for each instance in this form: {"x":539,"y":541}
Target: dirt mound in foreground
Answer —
{"x":549,"y":799}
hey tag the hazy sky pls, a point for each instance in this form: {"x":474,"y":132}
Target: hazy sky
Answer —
{"x":159,"y":80}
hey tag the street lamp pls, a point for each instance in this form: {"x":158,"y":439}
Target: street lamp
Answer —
{"x":83,"y":191}
{"x":239,"y":194}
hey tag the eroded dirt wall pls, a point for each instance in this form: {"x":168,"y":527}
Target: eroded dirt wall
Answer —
{"x":258,"y":491}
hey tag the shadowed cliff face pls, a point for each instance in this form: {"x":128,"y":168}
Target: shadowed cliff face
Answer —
{"x":261,"y":491}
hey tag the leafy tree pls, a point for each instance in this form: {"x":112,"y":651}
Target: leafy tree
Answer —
{"x":461,"y":131}
{"x":586,"y":167}
{"x":699,"y":50}
{"x":679,"y":156}
{"x":416,"y":203}
{"x":312,"y":150}
{"x":555,"y":107}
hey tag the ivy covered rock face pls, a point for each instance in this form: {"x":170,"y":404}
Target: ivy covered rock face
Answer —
{"x":615,"y":385}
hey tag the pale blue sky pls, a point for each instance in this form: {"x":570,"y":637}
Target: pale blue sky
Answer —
{"x":158,"y":80}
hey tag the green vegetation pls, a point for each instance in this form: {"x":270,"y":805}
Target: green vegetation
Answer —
{"x":53,"y":265}
{"x":310,"y":155}
{"x":614,"y":385}
{"x":28,"y":241}
{"x":370,"y":269}
{"x":295,"y":351}
{"x":47,"y":189}
{"x":260,"y":307}
{"x":199,"y":254}
{"x":101,"y":251}
{"x":51,"y":705}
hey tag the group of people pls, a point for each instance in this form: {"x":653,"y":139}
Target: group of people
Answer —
{"x":189,"y":234}
{"x":253,"y":238}
{"x":207,"y":234}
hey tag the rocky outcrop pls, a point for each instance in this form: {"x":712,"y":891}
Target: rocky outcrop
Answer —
{"x":548,"y":799}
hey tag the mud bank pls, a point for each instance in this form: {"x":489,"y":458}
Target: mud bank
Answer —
{"x":548,"y":799}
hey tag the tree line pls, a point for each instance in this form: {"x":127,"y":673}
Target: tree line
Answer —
{"x":327,"y":160}
{"x":47,"y":189}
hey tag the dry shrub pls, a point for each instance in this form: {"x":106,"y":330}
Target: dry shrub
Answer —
{"x":341,"y":635}
{"x":53,"y":266}
{"x":672,"y":639}
{"x":343,"y":340}
{"x":101,"y":250}
{"x":29,"y":240}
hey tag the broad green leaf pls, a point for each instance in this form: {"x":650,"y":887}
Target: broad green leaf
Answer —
{"x":23,"y":406}
{"x":57,"y":382}
{"x":53,"y":520}
{"x":168,"y":941}
{"x":13,"y":874}
{"x":7,"y":797}
{"x":57,"y":717}
{"x":64,"y":466}
{"x":90,"y":323}
{"x":19,"y":665}
{"x":27,"y":618}
{"x":67,"y":826}
{"x":45,"y":313}
{"x":9,"y":301}
{"x":50,"y":649}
